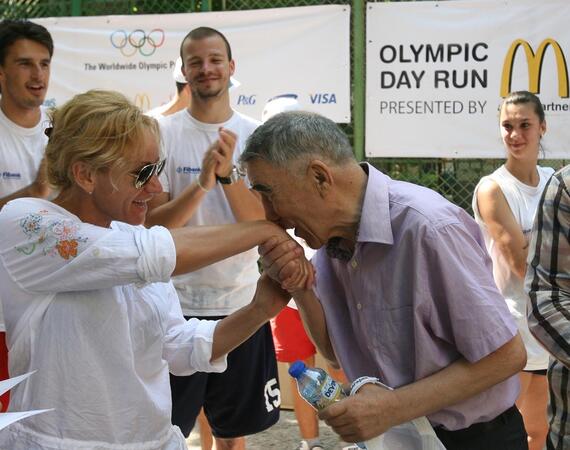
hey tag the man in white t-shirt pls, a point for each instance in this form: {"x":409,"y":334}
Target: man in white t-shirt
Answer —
{"x":26,"y":49}
{"x":203,"y":187}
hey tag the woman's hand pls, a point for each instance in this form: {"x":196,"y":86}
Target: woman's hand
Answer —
{"x":269,"y":297}
{"x":285,"y":262}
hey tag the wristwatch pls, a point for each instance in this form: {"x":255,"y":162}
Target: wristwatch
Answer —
{"x":234,"y":176}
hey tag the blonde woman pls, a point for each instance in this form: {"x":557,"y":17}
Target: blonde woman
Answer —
{"x":88,"y":299}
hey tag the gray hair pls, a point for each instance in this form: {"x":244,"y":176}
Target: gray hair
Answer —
{"x":296,"y":135}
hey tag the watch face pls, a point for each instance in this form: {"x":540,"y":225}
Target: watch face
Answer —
{"x":239,"y":171}
{"x":236,"y":175}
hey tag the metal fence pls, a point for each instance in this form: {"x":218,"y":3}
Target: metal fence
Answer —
{"x":453,"y":178}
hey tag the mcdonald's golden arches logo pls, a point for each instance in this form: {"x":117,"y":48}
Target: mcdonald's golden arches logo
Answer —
{"x":534,"y":63}
{"x":142,"y":101}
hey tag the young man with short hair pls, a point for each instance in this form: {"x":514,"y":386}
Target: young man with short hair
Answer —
{"x":203,"y":187}
{"x":26,"y":50}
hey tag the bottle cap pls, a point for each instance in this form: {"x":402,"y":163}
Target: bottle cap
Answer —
{"x":297,"y":368}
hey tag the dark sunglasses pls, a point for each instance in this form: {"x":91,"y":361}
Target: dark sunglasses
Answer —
{"x":144,"y":175}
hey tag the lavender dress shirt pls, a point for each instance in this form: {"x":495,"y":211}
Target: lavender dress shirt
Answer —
{"x":417,"y":295}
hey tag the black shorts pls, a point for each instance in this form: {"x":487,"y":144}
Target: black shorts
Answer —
{"x":242,"y":400}
{"x":536,"y":372}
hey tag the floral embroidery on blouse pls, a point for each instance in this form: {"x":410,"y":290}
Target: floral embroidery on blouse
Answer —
{"x":57,"y":237}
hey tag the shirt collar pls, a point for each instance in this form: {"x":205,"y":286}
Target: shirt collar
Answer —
{"x":375,"y":224}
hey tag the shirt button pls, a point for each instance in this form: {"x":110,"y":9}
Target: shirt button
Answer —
{"x":354,"y":264}
{"x":359,"y":306}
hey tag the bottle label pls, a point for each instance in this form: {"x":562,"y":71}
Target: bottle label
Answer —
{"x":331,"y":392}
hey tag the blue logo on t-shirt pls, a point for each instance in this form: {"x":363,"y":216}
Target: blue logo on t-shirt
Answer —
{"x":187,"y":170}
{"x":11,"y":176}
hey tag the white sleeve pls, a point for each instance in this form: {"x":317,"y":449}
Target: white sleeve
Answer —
{"x":188,"y":344}
{"x":49,"y":251}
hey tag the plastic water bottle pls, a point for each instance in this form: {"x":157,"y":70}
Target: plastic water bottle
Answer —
{"x":315,"y":385}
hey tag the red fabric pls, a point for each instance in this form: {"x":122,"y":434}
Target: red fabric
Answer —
{"x":289,"y":337}
{"x":5,"y":399}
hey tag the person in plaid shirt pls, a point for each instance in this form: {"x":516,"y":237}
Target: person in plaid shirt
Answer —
{"x":548,"y":283}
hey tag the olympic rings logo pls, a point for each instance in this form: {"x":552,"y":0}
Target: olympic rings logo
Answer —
{"x":137,"y":40}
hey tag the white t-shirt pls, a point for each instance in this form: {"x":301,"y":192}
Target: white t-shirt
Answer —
{"x":523,"y":201}
{"x":21,"y":151}
{"x":92,"y":309}
{"x":221,"y":288}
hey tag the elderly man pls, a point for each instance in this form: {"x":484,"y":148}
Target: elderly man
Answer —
{"x":404,"y":290}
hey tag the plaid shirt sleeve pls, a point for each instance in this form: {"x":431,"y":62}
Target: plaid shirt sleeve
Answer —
{"x":548,"y":273}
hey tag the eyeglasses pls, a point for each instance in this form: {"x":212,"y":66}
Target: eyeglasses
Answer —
{"x":144,"y":175}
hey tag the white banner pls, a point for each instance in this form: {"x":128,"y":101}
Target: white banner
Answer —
{"x":437,"y":72}
{"x":303,"y":51}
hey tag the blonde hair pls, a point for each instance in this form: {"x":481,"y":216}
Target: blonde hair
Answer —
{"x":101,"y":128}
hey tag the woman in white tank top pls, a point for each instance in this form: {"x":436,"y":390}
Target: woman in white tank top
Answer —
{"x":504,"y":204}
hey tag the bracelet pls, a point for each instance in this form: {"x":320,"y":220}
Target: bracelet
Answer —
{"x":359,"y":382}
{"x":200,"y":185}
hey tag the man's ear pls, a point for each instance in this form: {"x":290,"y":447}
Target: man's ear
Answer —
{"x":84,"y":176}
{"x":320,"y":176}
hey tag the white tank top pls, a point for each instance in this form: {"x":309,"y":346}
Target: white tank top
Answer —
{"x":523,"y":202}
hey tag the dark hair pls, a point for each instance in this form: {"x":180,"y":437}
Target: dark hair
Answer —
{"x":14,"y":30}
{"x":180,"y":86}
{"x":203,"y":33}
{"x":522,"y":97}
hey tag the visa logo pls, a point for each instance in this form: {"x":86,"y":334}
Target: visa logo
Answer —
{"x":322,"y":98}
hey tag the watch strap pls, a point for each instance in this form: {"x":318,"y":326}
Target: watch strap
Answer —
{"x":224,"y":180}
{"x":232,"y":178}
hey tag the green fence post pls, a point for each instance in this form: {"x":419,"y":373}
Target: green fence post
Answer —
{"x":359,"y":49}
{"x":206,"y":5}
{"x":76,"y":7}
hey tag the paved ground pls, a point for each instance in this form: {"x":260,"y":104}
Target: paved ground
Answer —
{"x":282,"y":436}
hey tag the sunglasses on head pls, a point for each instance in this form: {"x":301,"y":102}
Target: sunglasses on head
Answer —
{"x":144,"y":175}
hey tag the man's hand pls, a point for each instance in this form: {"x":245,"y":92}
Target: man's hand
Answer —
{"x":224,"y":152}
{"x":362,"y":416}
{"x":285,"y":262}
{"x":207,"y":177}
